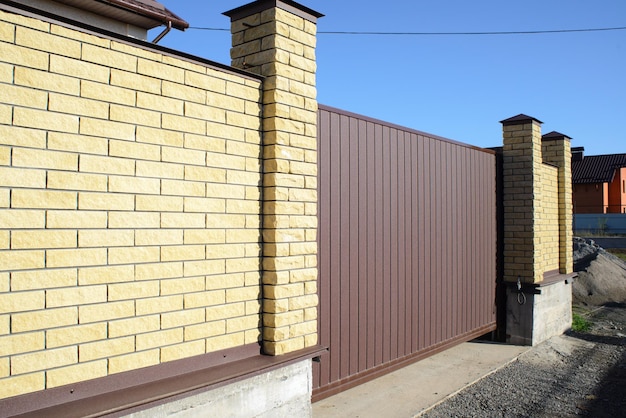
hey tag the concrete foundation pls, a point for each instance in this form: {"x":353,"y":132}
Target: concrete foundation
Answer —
{"x":284,"y":392}
{"x":533,"y":318}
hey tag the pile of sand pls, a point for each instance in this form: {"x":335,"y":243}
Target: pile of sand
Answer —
{"x":601,"y":275}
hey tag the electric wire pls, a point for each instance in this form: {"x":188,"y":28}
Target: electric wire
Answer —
{"x":494,"y":33}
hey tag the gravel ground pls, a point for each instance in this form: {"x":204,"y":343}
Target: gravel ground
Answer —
{"x":577,"y":374}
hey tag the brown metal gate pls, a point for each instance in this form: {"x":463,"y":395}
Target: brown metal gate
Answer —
{"x":407,"y":247}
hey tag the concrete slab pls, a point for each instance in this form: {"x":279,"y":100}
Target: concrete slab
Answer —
{"x":416,"y":388}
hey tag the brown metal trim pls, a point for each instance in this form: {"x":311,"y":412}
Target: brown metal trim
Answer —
{"x":402,"y":128}
{"x":17,"y":8}
{"x":262,"y":5}
{"x":151,"y":386}
{"x":383,"y":369}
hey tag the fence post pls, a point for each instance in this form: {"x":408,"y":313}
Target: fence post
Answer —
{"x":537,"y":202}
{"x":557,"y":151}
{"x":277,"y":39}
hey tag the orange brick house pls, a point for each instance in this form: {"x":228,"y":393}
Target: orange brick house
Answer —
{"x":599,"y":182}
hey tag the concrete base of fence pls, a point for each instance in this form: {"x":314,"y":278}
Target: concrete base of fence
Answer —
{"x":283,"y":392}
{"x":535,"y":314}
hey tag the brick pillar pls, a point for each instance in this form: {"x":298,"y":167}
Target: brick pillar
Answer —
{"x":557,"y":151}
{"x":277,"y":40}
{"x":521,"y":172}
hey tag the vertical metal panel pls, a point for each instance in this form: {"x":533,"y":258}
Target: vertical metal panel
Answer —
{"x":407,"y":248}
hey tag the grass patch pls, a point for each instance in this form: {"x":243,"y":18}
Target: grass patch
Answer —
{"x":619,"y":252}
{"x":580,"y":323}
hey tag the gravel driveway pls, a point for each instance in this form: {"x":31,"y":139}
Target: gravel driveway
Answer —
{"x":578,"y":374}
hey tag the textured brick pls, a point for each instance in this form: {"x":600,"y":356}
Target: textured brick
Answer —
{"x":51,"y":121}
{"x":21,"y":260}
{"x":206,"y":82}
{"x":222,"y":342}
{"x":12,"y":135}
{"x":120,"y":184}
{"x":160,"y":103}
{"x":18,"y":385}
{"x":131,"y":255}
{"x":107,"y":348}
{"x":76,"y":373}
{"x":24,"y":157}
{"x":133,"y":115}
{"x":159,"y":237}
{"x":158,"y":271}
{"x":203,"y":267}
{"x":105,"y":201}
{"x":47,"y":81}
{"x":161,"y":71}
{"x":76,"y":296}
{"x":105,"y":238}
{"x":182,"y":318}
{"x":204,"y":330}
{"x":134,"y":220}
{"x":109,"y":58}
{"x":184,"y":156}
{"x":76,"y":181}
{"x":43,"y":199}
{"x":182,"y":220}
{"x":107,"y":129}
{"x":77,"y":143}
{"x":203,"y":299}
{"x":24,"y":96}
{"x":27,"y":57}
{"x":43,"y":239}
{"x":203,"y":205}
{"x":46,"y":42}
{"x":135,"y":81}
{"x":159,"y":305}
{"x":107,"y":93}
{"x":133,"y":290}
{"x":159,"y":338}
{"x":159,"y":203}
{"x":134,"y":361}
{"x":76,"y":257}
{"x":184,"y":350}
{"x":159,"y":170}
{"x":204,"y":236}
{"x":21,"y":343}
{"x":159,"y":136}
{"x":70,"y":219}
{"x":183,"y":92}
{"x":43,"y":360}
{"x":59,"y":337}
{"x":183,"y":124}
{"x":79,"y":69}
{"x":182,"y":286}
{"x":106,"y":311}
{"x":45,"y":279}
{"x":132,"y":326}
{"x":108,"y":274}
{"x":40,"y":320}
{"x":135,"y":150}
{"x":21,"y":218}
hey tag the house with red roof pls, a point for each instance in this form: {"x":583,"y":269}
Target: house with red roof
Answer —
{"x":599,"y":182}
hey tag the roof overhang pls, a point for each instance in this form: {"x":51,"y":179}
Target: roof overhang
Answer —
{"x":147,"y":14}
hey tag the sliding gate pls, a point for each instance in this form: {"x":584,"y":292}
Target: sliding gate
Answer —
{"x":407,"y":247}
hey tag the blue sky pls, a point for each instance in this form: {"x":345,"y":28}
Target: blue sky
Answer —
{"x":458,"y":87}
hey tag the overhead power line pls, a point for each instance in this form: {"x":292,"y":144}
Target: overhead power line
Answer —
{"x":524,"y":32}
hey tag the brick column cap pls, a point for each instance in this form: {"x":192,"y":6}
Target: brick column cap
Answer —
{"x":554,"y":136}
{"x":262,"y":5}
{"x":520,"y":119}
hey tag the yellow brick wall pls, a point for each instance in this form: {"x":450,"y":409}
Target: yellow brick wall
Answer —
{"x":129,"y":207}
{"x":547,"y":223}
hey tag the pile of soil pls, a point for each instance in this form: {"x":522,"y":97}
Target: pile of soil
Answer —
{"x":601,"y":275}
